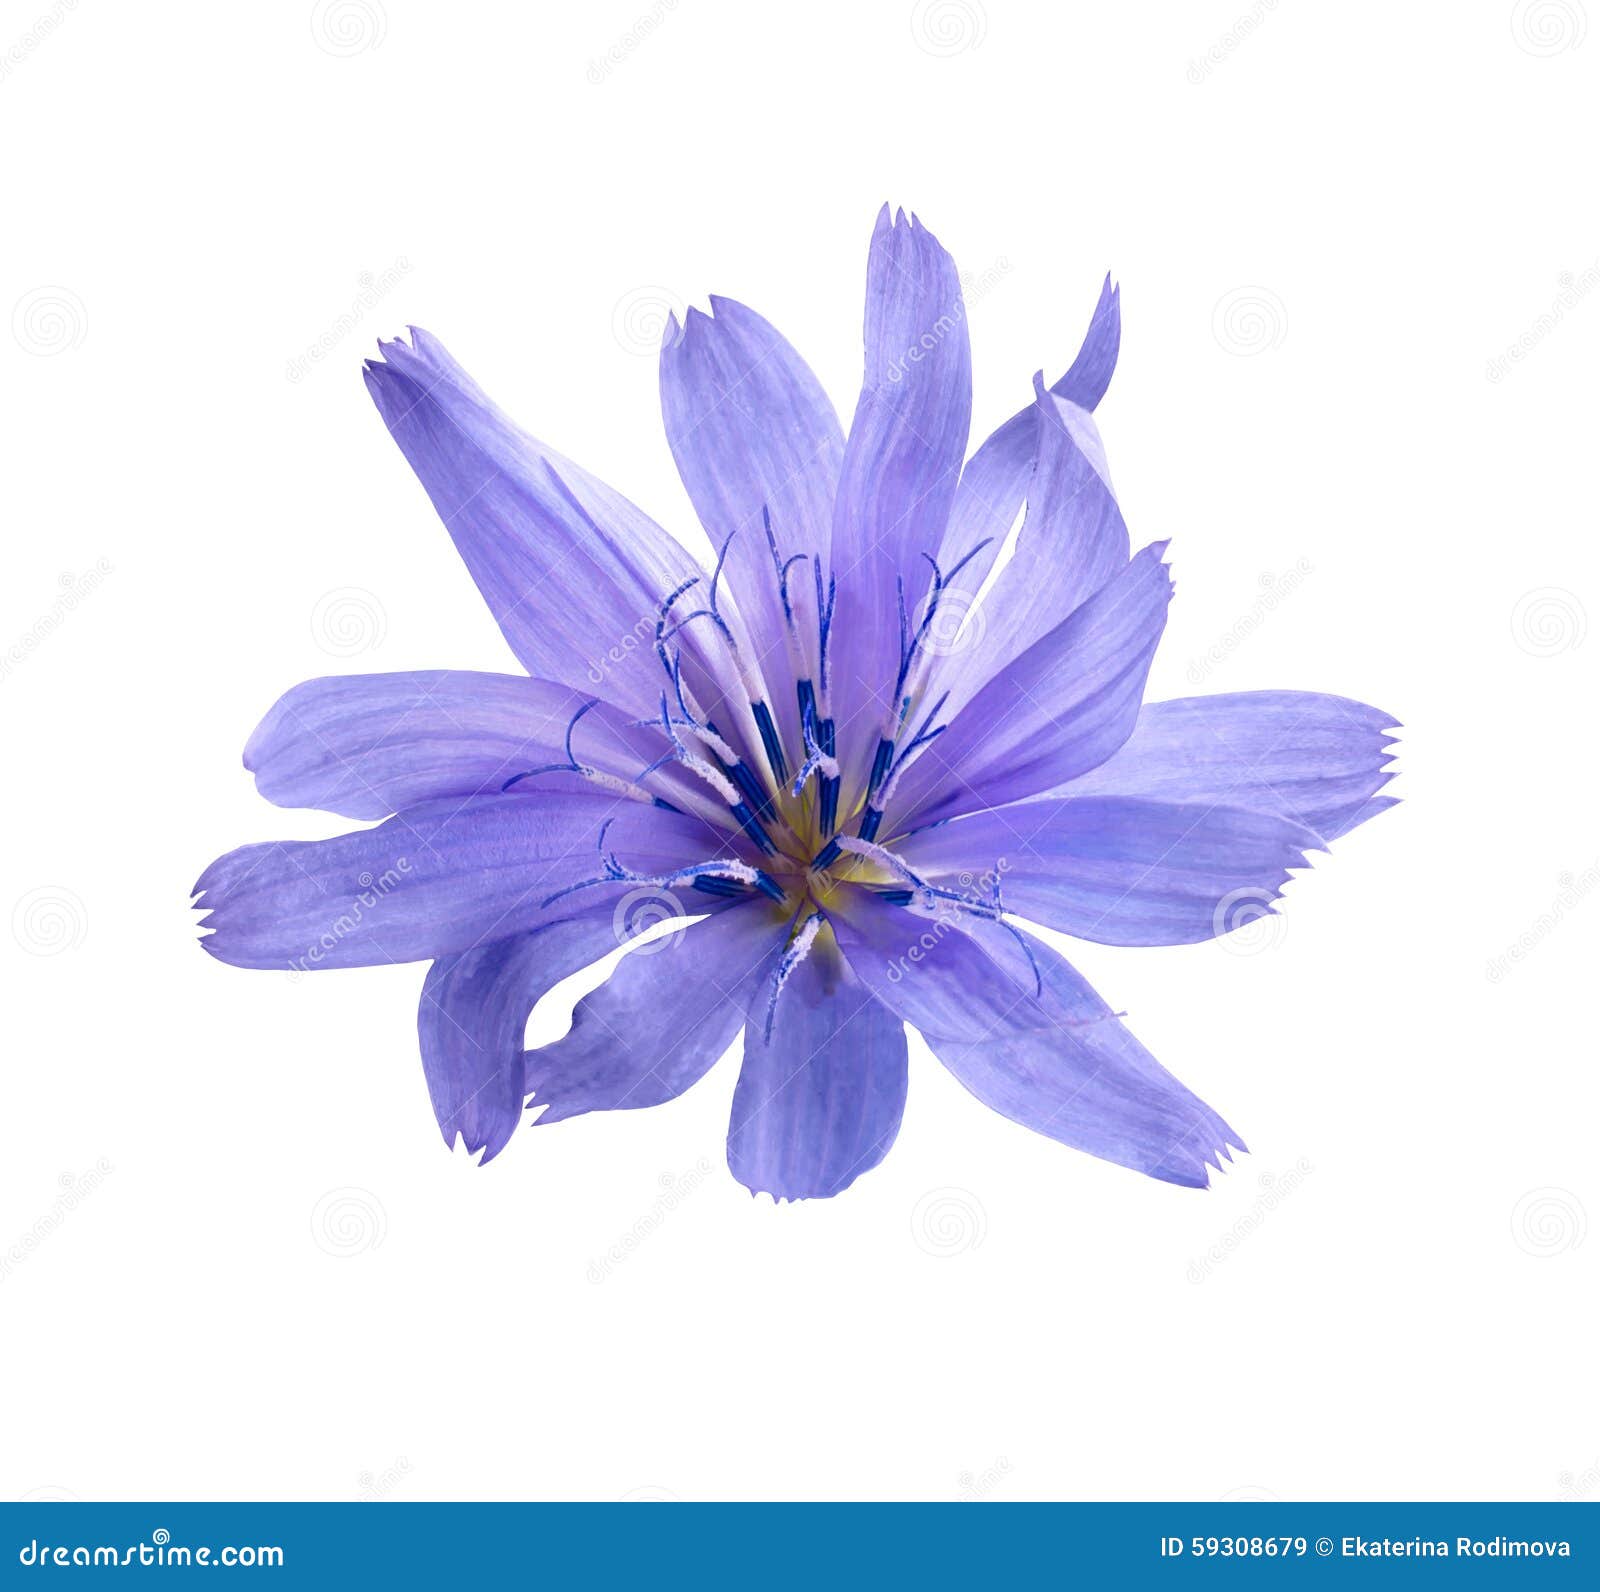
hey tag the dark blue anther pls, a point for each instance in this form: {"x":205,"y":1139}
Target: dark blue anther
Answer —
{"x":829,"y":814}
{"x":880,"y":766}
{"x":769,"y":739}
{"x":769,"y":886}
{"x":807,"y":694}
{"x":710,"y":884}
{"x":749,"y":823}
{"x":896,"y":898}
{"x":828,"y":855}
{"x":745,"y":779}
{"x":870,"y":820}
{"x":666,"y":805}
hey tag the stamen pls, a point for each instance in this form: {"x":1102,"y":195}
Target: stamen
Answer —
{"x":615,"y":783}
{"x":794,"y":954}
{"x":615,"y":872}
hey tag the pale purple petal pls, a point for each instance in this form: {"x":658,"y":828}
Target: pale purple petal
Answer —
{"x":660,"y":1022}
{"x":1057,"y":711}
{"x":996,"y":477}
{"x":819,"y":1102}
{"x":902,"y":460}
{"x":1317,"y":759}
{"x":1060,"y":1063}
{"x":471,"y":1021}
{"x":758,"y":444}
{"x":435,"y":879}
{"x":1123,"y":870}
{"x":370,"y":745}
{"x":572,"y":572}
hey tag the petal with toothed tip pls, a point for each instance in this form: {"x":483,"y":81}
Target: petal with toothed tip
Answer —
{"x":1060,"y":1063}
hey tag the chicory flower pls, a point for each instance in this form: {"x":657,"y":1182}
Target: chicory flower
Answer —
{"x":848,"y":755}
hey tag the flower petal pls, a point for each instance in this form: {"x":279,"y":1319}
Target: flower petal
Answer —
{"x":901,"y":463}
{"x":1123,"y":870}
{"x":819,"y":1102}
{"x":439,"y":878}
{"x":370,"y":745}
{"x":1059,"y":1062}
{"x":1061,"y":708}
{"x":572,"y":572}
{"x":1073,"y":540}
{"x":756,"y":440}
{"x":472,"y":1020}
{"x":996,"y":477}
{"x":660,"y":1022}
{"x":1317,"y":759}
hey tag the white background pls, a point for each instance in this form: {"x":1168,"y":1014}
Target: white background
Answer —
{"x":1329,"y":224}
